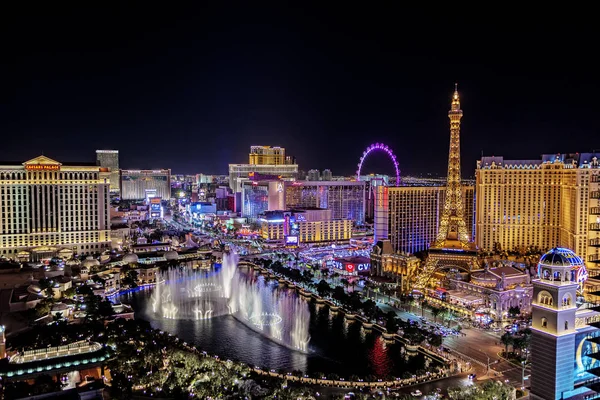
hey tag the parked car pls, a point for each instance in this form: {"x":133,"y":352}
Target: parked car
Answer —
{"x":416,"y":393}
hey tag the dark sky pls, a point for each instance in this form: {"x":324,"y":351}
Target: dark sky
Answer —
{"x":192,"y":89}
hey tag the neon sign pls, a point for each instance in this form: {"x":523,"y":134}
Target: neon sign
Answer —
{"x":42,"y":167}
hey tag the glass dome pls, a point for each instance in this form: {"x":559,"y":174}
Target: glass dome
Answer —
{"x":563,"y":258}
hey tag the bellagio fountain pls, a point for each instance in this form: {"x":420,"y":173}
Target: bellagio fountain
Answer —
{"x":279,"y":315}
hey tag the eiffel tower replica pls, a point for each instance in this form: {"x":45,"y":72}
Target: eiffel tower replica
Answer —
{"x":452,"y":248}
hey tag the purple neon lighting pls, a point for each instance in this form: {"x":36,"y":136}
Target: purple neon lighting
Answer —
{"x":379,"y":146}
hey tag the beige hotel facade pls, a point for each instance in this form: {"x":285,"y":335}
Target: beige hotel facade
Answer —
{"x":47,"y":207}
{"x":550,"y":202}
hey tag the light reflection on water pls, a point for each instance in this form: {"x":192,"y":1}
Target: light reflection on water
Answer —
{"x":336,"y":346}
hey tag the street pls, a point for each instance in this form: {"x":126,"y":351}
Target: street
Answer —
{"x":475,"y":345}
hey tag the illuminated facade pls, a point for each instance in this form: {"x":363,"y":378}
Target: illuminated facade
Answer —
{"x":498,"y":288}
{"x":543,"y":203}
{"x":110,"y":159}
{"x":409,"y":216}
{"x":141,"y":184}
{"x":399,"y":266}
{"x":240,"y":173}
{"x":47,"y":205}
{"x":345,"y":199}
{"x":313,"y":225}
{"x":258,"y":197}
{"x":266,"y":155}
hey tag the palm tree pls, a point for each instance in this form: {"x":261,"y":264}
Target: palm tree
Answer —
{"x":345,"y":282}
{"x":435,"y":311}
{"x":507,"y":340}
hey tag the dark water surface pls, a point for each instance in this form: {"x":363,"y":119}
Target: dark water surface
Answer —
{"x":336,"y":346}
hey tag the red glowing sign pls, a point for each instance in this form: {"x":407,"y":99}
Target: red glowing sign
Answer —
{"x":42,"y":167}
{"x":350,"y":267}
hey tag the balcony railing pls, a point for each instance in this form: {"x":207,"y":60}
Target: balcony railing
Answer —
{"x":595,"y":226}
{"x":595,"y":195}
{"x":595,"y":210}
{"x":594,"y":258}
{"x":595,"y":242}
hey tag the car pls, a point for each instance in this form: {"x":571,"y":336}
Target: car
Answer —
{"x":472,"y":376}
{"x":416,"y":393}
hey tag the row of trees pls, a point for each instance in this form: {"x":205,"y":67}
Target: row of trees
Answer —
{"x":488,"y":390}
{"x":293,"y":274}
{"x":518,"y":342}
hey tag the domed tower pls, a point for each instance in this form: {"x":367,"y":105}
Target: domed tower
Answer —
{"x":560,"y":273}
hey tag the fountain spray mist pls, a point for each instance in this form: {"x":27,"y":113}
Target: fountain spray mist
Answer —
{"x":278,"y":314}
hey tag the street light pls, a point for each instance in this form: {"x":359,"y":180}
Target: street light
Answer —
{"x":522,"y":374}
{"x":487,"y":371}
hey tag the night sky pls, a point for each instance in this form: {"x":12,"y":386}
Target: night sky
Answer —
{"x":191,"y":90}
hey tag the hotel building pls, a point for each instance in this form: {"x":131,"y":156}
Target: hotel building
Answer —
{"x":142,"y":184}
{"x":47,"y":205}
{"x":543,"y":203}
{"x":110,"y":159}
{"x":240,"y":173}
{"x":345,"y":199}
{"x":264,"y":163}
{"x":409,"y":215}
{"x":307,"y":225}
{"x":258,"y":197}
{"x":266,"y":155}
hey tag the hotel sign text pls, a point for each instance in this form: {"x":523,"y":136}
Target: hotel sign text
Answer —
{"x":42,"y":167}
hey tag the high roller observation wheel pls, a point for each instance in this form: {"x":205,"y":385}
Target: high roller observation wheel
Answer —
{"x":377,"y":147}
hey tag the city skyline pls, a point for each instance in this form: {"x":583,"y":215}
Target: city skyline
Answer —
{"x":267,"y":77}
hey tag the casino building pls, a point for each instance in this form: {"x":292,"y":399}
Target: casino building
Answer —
{"x":46,"y":206}
{"x":143,"y":184}
{"x":307,"y":225}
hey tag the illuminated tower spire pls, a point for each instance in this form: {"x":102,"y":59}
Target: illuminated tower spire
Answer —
{"x":452,"y":231}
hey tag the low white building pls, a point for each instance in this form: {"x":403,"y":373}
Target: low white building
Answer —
{"x":499,"y":289}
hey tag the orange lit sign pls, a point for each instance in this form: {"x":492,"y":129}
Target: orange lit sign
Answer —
{"x":42,"y":167}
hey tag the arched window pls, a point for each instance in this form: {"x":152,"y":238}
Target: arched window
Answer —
{"x":566,"y":301}
{"x":544,"y":322}
{"x":566,"y":325}
{"x":545,"y":298}
{"x":546,"y":274}
{"x":557,"y":276}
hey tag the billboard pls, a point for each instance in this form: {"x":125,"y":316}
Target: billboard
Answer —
{"x":352,"y":266}
{"x":203,"y":207}
{"x":155,"y":207}
{"x":583,"y":362}
{"x":291,"y":240}
{"x":291,"y":230}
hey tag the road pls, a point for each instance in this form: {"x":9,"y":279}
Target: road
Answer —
{"x":477,"y":345}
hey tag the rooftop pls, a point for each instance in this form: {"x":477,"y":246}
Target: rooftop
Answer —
{"x":508,"y":271}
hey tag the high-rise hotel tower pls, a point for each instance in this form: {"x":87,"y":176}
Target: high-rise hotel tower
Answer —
{"x":110,"y":159}
{"x":545,"y":203}
{"x":46,"y":205}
